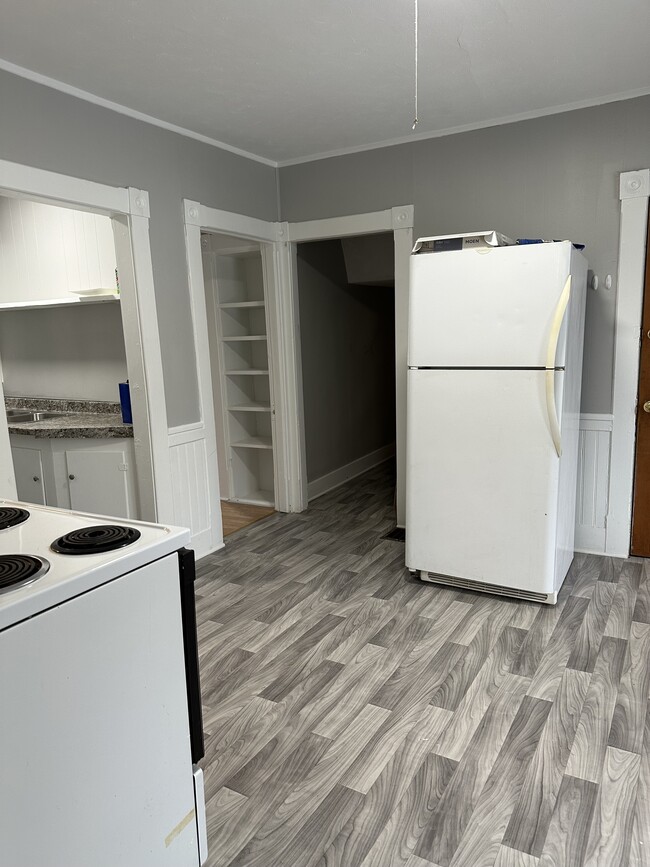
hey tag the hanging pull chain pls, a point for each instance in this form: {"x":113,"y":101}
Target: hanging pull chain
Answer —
{"x":415,"y":119}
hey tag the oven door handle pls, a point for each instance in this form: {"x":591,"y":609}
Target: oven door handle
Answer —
{"x":190,"y":642}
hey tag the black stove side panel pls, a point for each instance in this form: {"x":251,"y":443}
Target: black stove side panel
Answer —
{"x":190,"y":641}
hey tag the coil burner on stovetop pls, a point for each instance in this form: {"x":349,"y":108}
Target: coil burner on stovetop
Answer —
{"x":95,"y":540}
{"x":11,"y":517}
{"x":17,"y":570}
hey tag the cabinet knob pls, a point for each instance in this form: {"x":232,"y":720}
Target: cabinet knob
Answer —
{"x":36,"y":478}
{"x":71,"y":476}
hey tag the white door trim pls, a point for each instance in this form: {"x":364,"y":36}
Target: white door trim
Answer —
{"x":284,"y":330}
{"x":286,"y":366}
{"x":399,"y":221}
{"x":198,"y":218}
{"x":634,"y":191}
{"x":129,"y":211}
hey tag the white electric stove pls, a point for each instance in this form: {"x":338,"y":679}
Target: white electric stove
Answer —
{"x":100,"y":704}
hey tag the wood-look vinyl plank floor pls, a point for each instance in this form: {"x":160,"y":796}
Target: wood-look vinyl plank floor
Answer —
{"x":355,"y":717}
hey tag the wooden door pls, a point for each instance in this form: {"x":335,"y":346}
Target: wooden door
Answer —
{"x":641,"y":506}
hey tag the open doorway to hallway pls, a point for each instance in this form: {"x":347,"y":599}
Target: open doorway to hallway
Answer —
{"x":346,"y":299}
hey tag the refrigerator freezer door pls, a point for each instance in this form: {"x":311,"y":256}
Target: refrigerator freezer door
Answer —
{"x":482,"y":477}
{"x":489,"y":308}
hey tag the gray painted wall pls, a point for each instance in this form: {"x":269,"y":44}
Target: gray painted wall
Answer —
{"x":68,"y":352}
{"x":45,"y":128}
{"x":554,"y":177}
{"x":348,"y":351}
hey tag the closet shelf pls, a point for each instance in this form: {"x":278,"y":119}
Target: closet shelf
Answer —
{"x":256,"y":498}
{"x":250,"y":407}
{"x":253,"y":443}
{"x":247,"y":423}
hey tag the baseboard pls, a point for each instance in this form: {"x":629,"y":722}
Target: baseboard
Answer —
{"x":343,"y":474}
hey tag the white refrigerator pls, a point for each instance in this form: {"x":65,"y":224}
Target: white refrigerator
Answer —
{"x":493,"y":406}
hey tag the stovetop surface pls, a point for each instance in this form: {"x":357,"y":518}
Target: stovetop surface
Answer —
{"x":69,"y":575}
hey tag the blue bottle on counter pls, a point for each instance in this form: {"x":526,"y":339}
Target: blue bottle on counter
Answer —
{"x":125,"y":402}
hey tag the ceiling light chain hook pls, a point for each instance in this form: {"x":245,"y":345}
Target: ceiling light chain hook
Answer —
{"x":415,"y":119}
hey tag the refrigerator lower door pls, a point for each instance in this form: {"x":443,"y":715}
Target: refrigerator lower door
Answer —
{"x":483,"y":478}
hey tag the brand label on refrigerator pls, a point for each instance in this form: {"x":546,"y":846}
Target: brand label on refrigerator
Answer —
{"x":473,"y":241}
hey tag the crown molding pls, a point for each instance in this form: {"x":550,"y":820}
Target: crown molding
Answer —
{"x":69,"y":89}
{"x":468,"y":127}
{"x":61,"y":86}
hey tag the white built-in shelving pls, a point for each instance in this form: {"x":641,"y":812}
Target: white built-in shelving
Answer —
{"x":235,"y":292}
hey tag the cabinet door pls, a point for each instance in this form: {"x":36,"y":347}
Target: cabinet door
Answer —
{"x":28,"y":467}
{"x":47,"y":251}
{"x":99,"y":481}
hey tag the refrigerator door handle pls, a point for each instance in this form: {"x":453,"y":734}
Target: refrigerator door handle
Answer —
{"x":552,"y":412}
{"x":553,"y":338}
{"x":556,"y":324}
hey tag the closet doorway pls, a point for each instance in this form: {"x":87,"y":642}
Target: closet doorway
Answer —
{"x":234,"y":274}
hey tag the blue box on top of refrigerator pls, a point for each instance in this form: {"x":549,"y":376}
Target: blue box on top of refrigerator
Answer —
{"x":495,"y":347}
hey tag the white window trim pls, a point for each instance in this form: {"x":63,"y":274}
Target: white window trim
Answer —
{"x":634,"y":192}
{"x":129,"y":211}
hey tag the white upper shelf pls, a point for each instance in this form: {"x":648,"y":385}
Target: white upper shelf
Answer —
{"x":71,"y":301}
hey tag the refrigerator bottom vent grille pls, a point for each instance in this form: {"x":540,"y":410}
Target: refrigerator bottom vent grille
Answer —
{"x":481,"y":587}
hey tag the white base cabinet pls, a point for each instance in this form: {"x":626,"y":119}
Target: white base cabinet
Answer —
{"x":86,"y":475}
{"x":28,"y":467}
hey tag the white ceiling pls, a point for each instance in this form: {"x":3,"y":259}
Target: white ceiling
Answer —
{"x":292,"y":79}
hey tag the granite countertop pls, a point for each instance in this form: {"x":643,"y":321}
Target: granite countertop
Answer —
{"x":81,"y":419}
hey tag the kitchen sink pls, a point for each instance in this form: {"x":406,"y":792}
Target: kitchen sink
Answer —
{"x":20,"y":415}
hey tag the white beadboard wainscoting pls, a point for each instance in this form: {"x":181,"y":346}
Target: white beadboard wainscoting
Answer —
{"x":190,"y":472}
{"x":593,"y":482}
{"x":191,"y":477}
